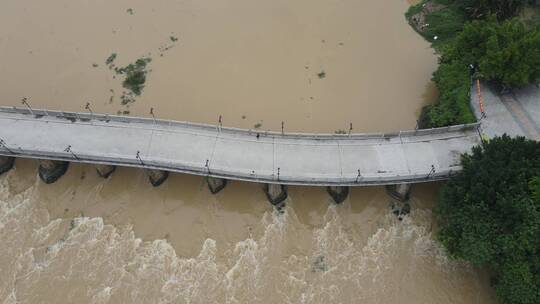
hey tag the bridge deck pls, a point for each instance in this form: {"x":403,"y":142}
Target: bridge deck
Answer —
{"x":300,"y":159}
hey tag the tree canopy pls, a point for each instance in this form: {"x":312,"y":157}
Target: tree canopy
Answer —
{"x":489,"y":215}
{"x":505,"y":52}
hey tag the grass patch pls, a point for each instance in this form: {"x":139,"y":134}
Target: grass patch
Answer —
{"x":438,"y":21}
{"x":445,"y":25}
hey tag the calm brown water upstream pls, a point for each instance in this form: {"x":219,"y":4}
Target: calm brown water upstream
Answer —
{"x":316,"y":65}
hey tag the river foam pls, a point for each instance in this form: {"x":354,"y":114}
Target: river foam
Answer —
{"x":86,"y":260}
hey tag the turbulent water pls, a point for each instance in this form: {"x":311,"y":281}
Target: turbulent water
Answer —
{"x":316,"y":65}
{"x":358,"y":252}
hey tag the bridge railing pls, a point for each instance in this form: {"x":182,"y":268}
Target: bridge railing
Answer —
{"x":105,"y":118}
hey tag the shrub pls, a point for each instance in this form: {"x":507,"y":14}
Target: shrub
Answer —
{"x":453,"y":83}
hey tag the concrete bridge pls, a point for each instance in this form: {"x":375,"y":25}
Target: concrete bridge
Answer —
{"x":273,"y":158}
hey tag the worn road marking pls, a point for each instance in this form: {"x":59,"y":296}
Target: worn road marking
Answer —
{"x":521,"y":116}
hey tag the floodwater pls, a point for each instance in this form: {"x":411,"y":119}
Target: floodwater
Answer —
{"x":317,"y":65}
{"x":252,"y":62}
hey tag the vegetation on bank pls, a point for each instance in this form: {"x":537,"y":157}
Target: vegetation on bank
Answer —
{"x":483,"y":37}
{"x":489,"y":215}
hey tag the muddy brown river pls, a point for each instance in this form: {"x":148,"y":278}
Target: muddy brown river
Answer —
{"x":317,"y":66}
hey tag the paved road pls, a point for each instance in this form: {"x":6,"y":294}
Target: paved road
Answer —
{"x":299,"y":159}
{"x":516,"y":114}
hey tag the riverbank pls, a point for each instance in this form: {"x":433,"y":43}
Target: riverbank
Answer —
{"x":499,"y":184}
{"x":439,"y":23}
{"x":450,"y":28}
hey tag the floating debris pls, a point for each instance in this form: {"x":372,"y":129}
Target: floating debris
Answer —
{"x":110,"y":59}
{"x":400,"y":209}
{"x":127,"y":98}
{"x":135,"y":75}
{"x":320,"y":264}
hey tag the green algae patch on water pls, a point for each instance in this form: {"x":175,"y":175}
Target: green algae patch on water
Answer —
{"x":135,"y":75}
{"x":110,"y":59}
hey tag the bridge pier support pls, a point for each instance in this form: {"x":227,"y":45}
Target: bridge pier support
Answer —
{"x":338,"y":193}
{"x":216,"y":184}
{"x":51,"y":170}
{"x":399,"y":192}
{"x":6,"y":163}
{"x":157,"y":177}
{"x":276,"y":194}
{"x":105,"y":170}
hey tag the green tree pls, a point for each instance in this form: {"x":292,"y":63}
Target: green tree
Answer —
{"x":489,"y":215}
{"x":535,"y":189}
{"x":504,"y":52}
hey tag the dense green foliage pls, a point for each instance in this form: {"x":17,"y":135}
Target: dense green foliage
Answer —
{"x":504,"y":52}
{"x":453,"y":83}
{"x":489,"y":215}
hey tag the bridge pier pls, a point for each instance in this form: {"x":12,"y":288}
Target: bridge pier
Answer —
{"x":338,"y":193}
{"x":399,"y":192}
{"x":157,"y":177}
{"x":105,"y":170}
{"x":51,"y":170}
{"x":216,"y":184}
{"x":6,"y":163}
{"x":276,"y":194}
